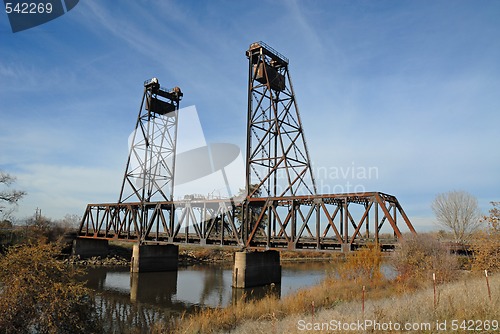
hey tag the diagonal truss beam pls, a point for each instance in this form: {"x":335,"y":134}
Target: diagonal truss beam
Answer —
{"x":302,"y":222}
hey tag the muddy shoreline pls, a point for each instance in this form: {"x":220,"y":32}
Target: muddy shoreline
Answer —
{"x":120,"y":255}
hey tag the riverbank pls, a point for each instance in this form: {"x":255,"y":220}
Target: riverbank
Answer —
{"x":460,"y":307}
{"x":120,"y":254}
{"x":336,"y":303}
{"x":405,"y":297}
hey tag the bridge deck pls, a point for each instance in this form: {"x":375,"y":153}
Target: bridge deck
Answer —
{"x":318,"y":222}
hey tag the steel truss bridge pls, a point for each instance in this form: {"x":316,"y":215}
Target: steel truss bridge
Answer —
{"x":280,"y":209}
{"x":320,"y":222}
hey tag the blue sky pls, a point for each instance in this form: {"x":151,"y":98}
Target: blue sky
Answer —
{"x":410,"y":88}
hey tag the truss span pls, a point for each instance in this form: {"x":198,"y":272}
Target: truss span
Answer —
{"x":314,"y":222}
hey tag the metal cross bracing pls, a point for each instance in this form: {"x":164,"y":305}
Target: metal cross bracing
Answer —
{"x":278,"y":161}
{"x":321,"y":222}
{"x":281,"y":209}
{"x":150,"y":169}
{"x":197,"y":221}
{"x":325,"y":222}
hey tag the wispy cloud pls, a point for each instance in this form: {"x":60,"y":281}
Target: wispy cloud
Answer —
{"x":406,"y":88}
{"x":59,"y":190}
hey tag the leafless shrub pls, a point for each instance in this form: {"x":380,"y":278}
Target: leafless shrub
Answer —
{"x":486,"y":245}
{"x":419,"y":256}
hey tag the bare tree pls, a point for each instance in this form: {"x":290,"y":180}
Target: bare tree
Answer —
{"x":8,"y":196}
{"x":457,"y":211}
{"x":70,"y":221}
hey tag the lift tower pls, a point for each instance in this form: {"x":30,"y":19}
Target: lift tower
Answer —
{"x":278,"y":161}
{"x":149,"y":173}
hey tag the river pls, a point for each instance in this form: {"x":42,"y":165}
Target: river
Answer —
{"x":128,"y":302}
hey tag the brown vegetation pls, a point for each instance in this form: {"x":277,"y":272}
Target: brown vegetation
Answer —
{"x":39,"y":294}
{"x":415,"y":262}
{"x":419,"y":257}
{"x":345,"y":284}
{"x":46,"y":299}
{"x":486,"y":245}
{"x":466,"y":299}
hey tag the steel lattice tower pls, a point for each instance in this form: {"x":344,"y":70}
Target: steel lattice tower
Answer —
{"x":149,"y":174}
{"x":278,"y":161}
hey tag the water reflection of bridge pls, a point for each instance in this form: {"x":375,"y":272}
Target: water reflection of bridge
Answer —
{"x":138,"y":301}
{"x":133,"y":304}
{"x":138,"y":288}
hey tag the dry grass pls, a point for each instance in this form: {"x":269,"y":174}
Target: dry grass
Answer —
{"x":466,"y":299}
{"x":360,"y":268}
{"x":340,"y":300}
{"x":330,"y":293}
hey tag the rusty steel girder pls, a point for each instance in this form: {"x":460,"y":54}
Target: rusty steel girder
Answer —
{"x":150,"y":169}
{"x":277,"y":157}
{"x":315,"y":222}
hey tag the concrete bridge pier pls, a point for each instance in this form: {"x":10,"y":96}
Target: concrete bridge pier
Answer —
{"x":150,"y":258}
{"x":256,"y":269}
{"x":87,"y":248}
